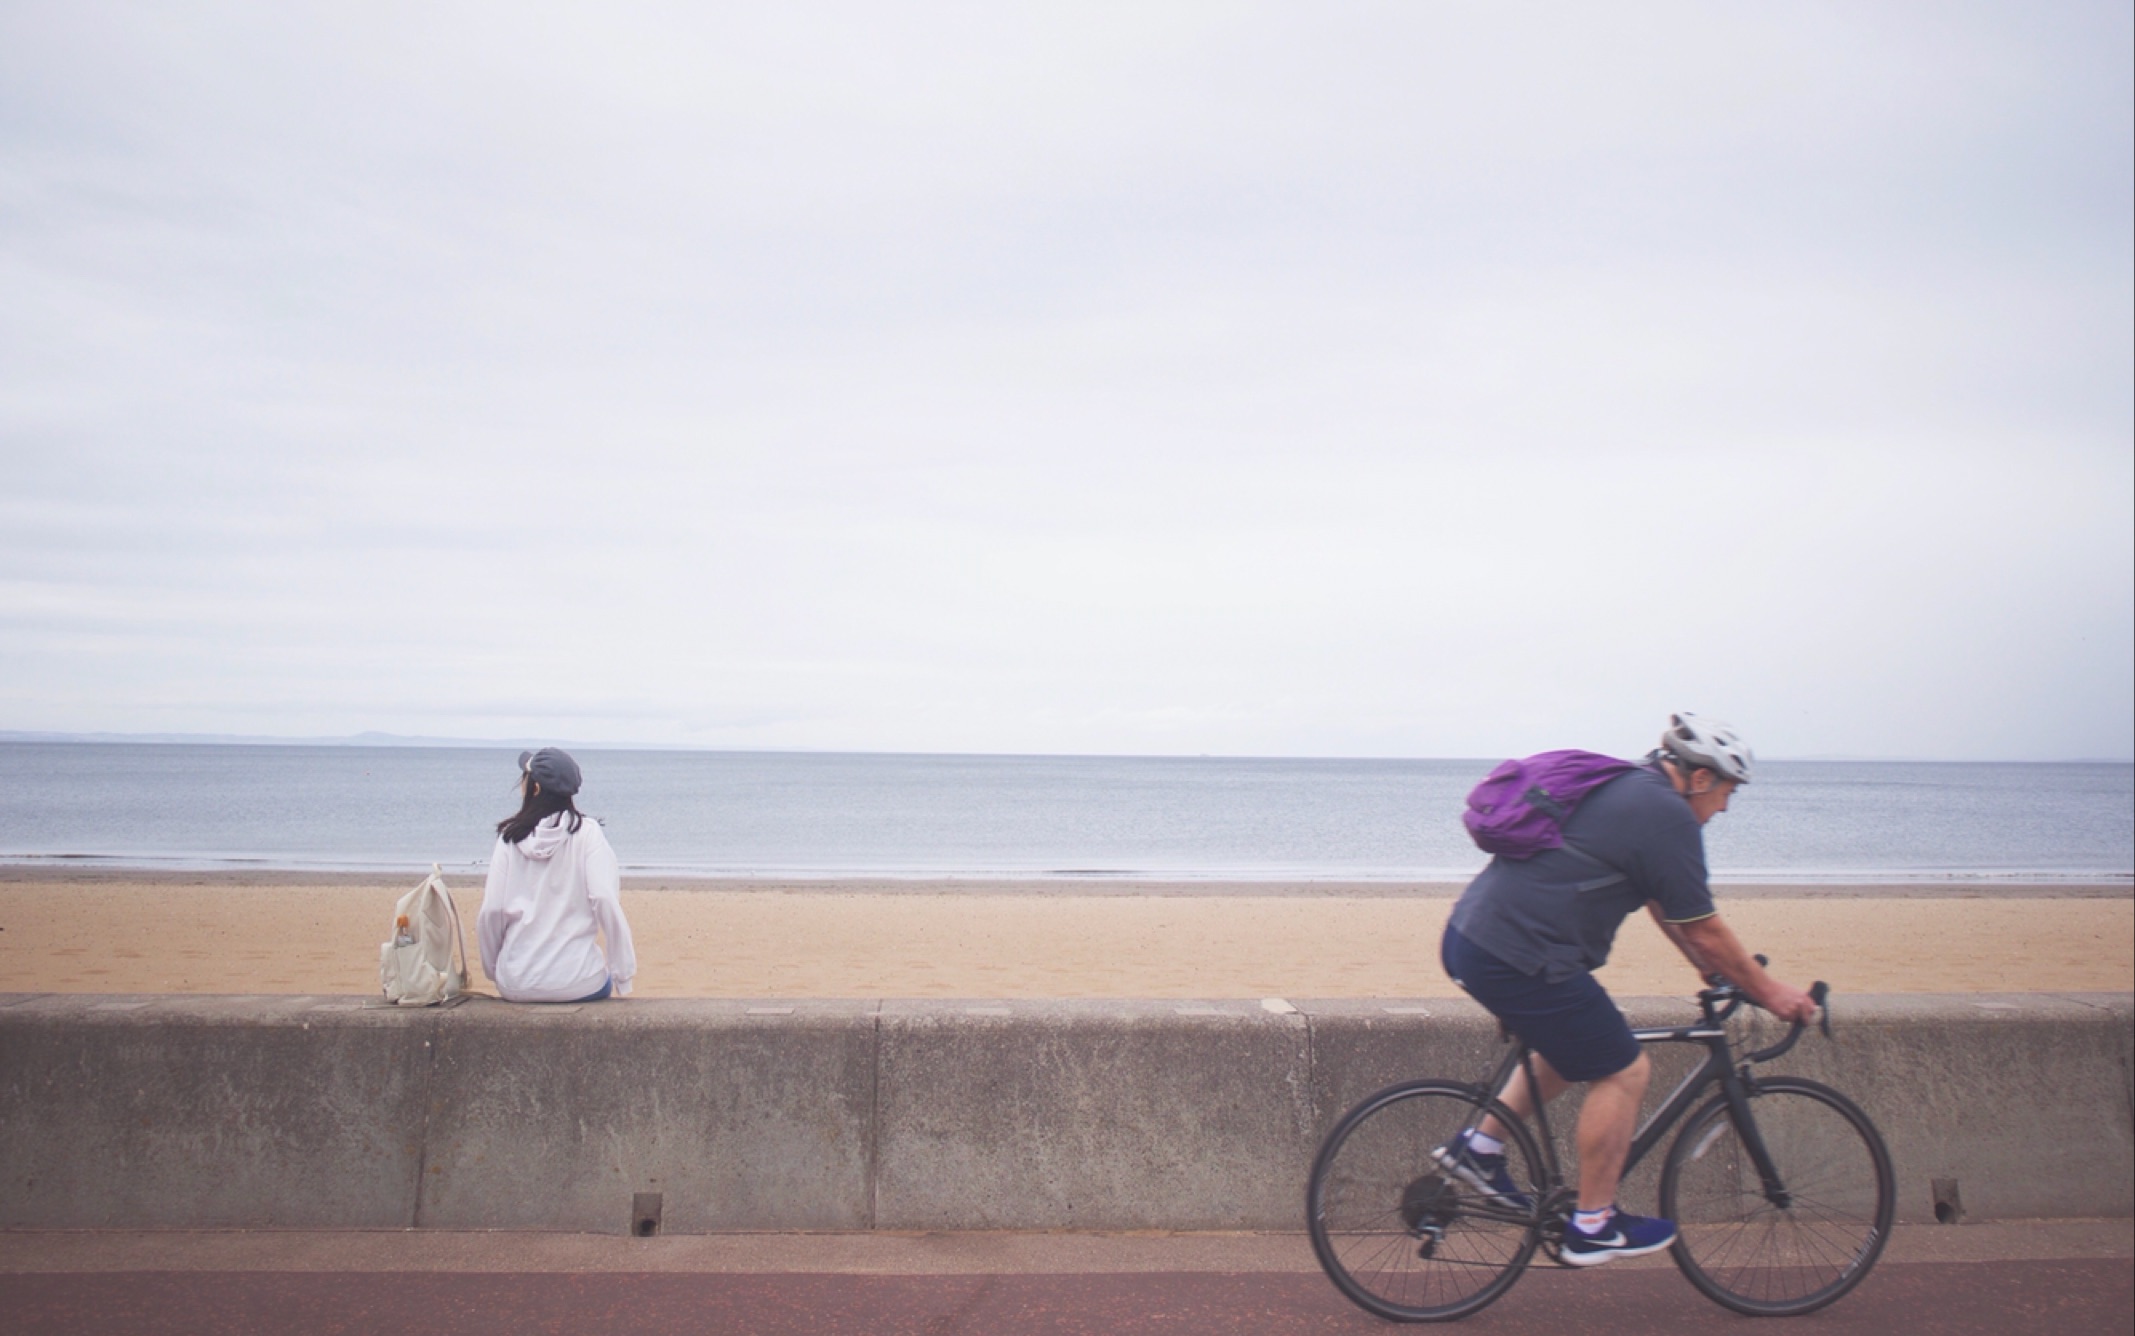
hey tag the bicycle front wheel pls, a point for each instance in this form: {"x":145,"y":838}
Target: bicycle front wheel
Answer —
{"x":1400,"y":1234}
{"x":1794,"y":1247}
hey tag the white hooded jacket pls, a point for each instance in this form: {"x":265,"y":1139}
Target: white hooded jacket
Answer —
{"x":545,"y":898}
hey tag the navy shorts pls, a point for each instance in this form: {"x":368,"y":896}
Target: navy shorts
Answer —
{"x":1572,"y":1022}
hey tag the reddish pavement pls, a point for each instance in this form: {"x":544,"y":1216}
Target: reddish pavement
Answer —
{"x":2065,"y":1298}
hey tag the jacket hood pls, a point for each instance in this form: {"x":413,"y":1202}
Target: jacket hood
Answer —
{"x":546,"y":838}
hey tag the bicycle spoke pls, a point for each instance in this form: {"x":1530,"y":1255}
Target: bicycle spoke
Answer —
{"x":1398,"y":1234}
{"x":1749,"y":1252}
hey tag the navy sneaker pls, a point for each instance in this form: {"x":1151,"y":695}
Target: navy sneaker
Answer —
{"x":1485,"y":1173}
{"x":1625,"y":1235}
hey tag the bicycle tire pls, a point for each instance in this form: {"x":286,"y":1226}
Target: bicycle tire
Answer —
{"x":1397,"y":1235}
{"x":1761,"y":1258}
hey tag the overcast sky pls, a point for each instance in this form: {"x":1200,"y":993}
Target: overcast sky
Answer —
{"x":1329,"y":379}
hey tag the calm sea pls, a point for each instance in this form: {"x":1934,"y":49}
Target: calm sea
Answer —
{"x":782,"y":814}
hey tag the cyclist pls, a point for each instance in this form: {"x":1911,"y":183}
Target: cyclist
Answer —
{"x":1526,"y":936}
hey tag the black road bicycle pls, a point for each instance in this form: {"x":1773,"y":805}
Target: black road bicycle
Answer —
{"x":1781,"y":1189}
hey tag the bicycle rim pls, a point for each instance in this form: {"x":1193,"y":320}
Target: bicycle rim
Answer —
{"x":1397,"y":1234}
{"x":1767,"y":1258}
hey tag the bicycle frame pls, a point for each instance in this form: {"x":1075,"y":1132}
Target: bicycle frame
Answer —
{"x":1720,"y":1067}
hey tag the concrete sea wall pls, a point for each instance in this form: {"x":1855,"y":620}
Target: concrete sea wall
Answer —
{"x":724,"y":1115}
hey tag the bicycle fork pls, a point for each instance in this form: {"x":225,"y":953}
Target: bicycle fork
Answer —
{"x":1737,"y":1086}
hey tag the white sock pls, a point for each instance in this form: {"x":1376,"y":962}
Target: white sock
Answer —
{"x":1485,"y":1145}
{"x":1590,"y":1222}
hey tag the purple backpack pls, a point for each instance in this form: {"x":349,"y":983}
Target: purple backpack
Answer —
{"x":1521,"y":809}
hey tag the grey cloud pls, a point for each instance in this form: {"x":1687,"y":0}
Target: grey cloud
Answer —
{"x":1071,"y":378}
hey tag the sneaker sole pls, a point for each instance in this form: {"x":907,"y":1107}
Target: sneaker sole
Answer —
{"x":1600,"y":1255}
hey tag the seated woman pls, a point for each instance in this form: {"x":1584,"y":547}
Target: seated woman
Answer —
{"x":553,"y":882}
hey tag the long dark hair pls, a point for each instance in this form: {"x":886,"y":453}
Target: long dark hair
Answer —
{"x":538,"y":806}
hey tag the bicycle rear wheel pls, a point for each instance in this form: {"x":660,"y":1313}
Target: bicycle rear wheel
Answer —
{"x":1397,"y":1233}
{"x":1766,"y":1257}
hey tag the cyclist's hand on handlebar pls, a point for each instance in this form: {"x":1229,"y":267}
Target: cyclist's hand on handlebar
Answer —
{"x":1788,"y":1003}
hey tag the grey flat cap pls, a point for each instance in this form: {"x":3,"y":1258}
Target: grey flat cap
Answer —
{"x":552,"y":768}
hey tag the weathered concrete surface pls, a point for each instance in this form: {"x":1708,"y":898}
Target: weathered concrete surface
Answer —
{"x":148,"y":1112}
{"x":2023,"y":1099}
{"x":1359,"y":1047}
{"x":1120,"y":1115}
{"x":210,"y":1111}
{"x":539,"y":1115}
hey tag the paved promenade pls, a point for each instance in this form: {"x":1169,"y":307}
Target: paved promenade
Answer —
{"x":2061,"y":1277}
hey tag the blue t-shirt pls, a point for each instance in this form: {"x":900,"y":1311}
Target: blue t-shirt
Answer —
{"x":1632,"y":840}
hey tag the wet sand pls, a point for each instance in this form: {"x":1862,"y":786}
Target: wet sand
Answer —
{"x":114,"y":931}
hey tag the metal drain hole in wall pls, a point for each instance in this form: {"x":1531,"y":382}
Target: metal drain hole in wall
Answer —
{"x":645,"y":1214}
{"x":1949,"y":1207}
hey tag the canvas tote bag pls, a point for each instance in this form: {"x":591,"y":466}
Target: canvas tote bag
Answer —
{"x":415,"y":964}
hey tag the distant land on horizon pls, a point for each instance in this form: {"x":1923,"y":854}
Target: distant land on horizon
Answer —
{"x":376,"y":738}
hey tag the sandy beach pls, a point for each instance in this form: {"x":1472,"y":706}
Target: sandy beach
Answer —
{"x":110,"y":931}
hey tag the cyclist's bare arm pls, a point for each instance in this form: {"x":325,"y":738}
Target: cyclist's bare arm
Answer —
{"x":1712,"y":948}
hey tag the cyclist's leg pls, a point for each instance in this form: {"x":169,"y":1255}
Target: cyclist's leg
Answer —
{"x":1578,"y":1036}
{"x":1494,"y":982}
{"x":1529,"y":1006}
{"x":1606,"y":1123}
{"x":1517,"y":1097}
{"x":1577,"y":1026}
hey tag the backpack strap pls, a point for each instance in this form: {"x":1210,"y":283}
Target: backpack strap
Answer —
{"x":459,"y":935}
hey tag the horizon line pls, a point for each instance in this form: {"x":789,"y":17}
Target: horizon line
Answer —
{"x":384,"y":740}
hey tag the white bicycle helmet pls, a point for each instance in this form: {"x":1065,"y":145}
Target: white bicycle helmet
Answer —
{"x":1708,"y":743}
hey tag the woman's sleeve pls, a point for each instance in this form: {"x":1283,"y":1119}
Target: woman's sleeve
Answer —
{"x":489,"y":925}
{"x":604,"y":887}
